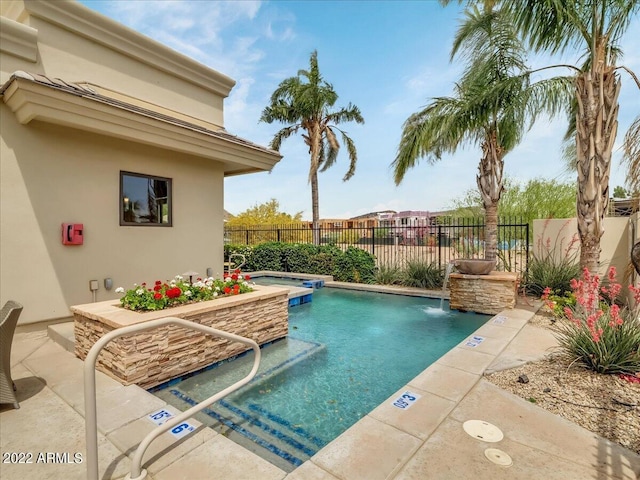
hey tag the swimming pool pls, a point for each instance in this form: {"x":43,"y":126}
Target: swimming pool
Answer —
{"x":346,"y":353}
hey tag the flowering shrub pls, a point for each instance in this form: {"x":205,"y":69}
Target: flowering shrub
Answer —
{"x":179,"y":291}
{"x":599,"y":333}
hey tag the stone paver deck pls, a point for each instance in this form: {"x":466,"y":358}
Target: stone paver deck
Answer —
{"x":426,"y":441}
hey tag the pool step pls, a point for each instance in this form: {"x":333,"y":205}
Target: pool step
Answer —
{"x":258,"y":430}
{"x":286,"y":445}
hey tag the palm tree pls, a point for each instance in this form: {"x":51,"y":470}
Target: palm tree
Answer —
{"x":494,"y":104}
{"x":305,"y":102}
{"x":597,"y":26}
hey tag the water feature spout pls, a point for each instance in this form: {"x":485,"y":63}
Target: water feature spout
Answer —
{"x":444,"y":282}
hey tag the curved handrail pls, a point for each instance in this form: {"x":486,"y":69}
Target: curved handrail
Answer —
{"x":244,"y":260}
{"x":91,"y":426}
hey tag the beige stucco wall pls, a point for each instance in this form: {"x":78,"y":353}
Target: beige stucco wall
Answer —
{"x":51,"y":173}
{"x":63,"y":53}
{"x":562,"y":234}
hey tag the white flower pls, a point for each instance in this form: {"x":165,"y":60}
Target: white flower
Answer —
{"x":215,"y":294}
{"x":119,"y":290}
{"x":179,"y":277}
{"x":140,"y":291}
{"x":246,"y":284}
{"x":217,"y":289}
{"x":240,"y":277}
{"x":188,"y":293}
{"x":228,"y":280}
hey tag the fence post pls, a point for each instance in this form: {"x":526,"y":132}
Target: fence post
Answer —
{"x":373,"y":240}
{"x":247,"y":232}
{"x":439,"y":235}
{"x":278,"y":235}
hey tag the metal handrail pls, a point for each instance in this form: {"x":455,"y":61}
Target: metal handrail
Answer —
{"x":244,"y":260}
{"x":91,"y":421}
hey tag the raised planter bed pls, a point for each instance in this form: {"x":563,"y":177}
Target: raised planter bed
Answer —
{"x":153,"y":357}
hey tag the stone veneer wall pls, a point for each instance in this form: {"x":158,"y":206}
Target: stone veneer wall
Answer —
{"x":483,"y":293}
{"x":152,"y":357}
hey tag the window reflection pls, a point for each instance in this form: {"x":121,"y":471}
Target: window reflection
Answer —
{"x":145,"y":199}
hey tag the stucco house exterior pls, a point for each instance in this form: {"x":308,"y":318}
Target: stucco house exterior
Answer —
{"x":111,"y":140}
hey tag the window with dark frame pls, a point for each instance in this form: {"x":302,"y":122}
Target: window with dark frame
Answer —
{"x":145,"y":200}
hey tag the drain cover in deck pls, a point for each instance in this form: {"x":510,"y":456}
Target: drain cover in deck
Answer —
{"x":482,"y":430}
{"x":498,"y":457}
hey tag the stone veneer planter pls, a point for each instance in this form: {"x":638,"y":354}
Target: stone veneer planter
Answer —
{"x":483,"y":293}
{"x":152,"y":357}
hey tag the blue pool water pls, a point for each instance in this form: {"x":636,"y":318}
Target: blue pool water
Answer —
{"x":346,"y":353}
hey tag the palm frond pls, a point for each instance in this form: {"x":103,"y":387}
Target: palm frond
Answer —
{"x":282,"y":134}
{"x":632,"y":155}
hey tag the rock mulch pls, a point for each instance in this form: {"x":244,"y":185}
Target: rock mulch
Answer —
{"x":607,"y":405}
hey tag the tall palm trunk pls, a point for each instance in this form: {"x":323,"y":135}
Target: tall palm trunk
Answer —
{"x":597,"y":125}
{"x":315,"y":208}
{"x":491,"y":186}
{"x":314,"y":140}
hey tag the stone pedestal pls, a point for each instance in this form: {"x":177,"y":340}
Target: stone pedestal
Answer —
{"x":152,"y":357}
{"x":483,"y":293}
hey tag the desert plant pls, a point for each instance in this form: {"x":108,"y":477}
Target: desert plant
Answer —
{"x":546,"y":271}
{"x":418,"y":273}
{"x":388,"y":274}
{"x":598,"y":333}
{"x":553,"y":265}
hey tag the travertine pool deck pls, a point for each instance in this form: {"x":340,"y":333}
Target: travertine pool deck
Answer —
{"x":426,"y":441}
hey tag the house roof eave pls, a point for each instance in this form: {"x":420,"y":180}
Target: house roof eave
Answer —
{"x":37,"y":98}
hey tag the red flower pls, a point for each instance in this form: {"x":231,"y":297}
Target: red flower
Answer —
{"x":236,"y":288}
{"x":158,"y":282}
{"x":237,"y":270}
{"x":158,"y":287}
{"x":247,"y":277}
{"x":227,"y":290}
{"x":234,"y":277}
{"x":174,"y":292}
{"x":157,"y":296}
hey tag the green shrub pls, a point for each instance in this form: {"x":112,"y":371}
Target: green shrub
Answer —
{"x":296,"y":257}
{"x":322,"y":263}
{"x":355,"y":265}
{"x":267,"y":256}
{"x":418,"y":273}
{"x":388,"y":274}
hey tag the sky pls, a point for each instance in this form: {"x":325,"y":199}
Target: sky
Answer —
{"x":390,"y":58}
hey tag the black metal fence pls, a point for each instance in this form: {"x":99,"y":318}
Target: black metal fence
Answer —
{"x":439,"y":242}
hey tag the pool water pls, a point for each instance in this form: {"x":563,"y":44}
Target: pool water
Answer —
{"x":347,"y":352}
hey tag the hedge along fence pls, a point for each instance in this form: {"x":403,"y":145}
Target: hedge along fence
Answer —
{"x":350,"y":265}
